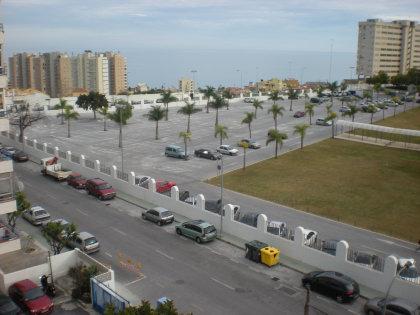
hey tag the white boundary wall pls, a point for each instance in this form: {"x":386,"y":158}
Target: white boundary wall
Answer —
{"x":296,"y":249}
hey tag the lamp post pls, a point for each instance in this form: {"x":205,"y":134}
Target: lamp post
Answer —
{"x":240,"y":72}
{"x":222,"y":210}
{"x":120,"y":108}
{"x":407,"y":265}
{"x":331,"y":53}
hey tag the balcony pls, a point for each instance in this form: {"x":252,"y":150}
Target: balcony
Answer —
{"x":9,"y":240}
{"x":6,"y":163}
{"x":7,"y":203}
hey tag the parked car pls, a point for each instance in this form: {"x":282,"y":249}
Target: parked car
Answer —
{"x":148,"y":101}
{"x":100,"y":189}
{"x":76,"y":180}
{"x":251,"y":143}
{"x":20,"y":156}
{"x":248,"y":100}
{"x":299,"y":114}
{"x":227,"y":149}
{"x":375,"y":306}
{"x":164,"y":186}
{"x":314,"y":100}
{"x":86,"y":242}
{"x":175,"y":151}
{"x":30,"y":297}
{"x":333,"y":284}
{"x":310,"y":236}
{"x":329,"y":246}
{"x":8,"y":151}
{"x":159,"y":100}
{"x":37,"y":215}
{"x":344,"y":109}
{"x":207,"y":154}
{"x":158,"y":215}
{"x":142,"y":180}
{"x":323,"y":122}
{"x":198,"y":230}
{"x":8,"y":307}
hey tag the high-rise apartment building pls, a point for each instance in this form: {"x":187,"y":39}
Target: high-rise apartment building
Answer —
{"x":3,"y":76}
{"x":117,"y":66}
{"x":186,"y":85}
{"x":392,"y":47}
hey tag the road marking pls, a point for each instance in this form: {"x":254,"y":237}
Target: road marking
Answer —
{"x":223,"y":284}
{"x":108,"y":254}
{"x":82,"y":212}
{"x":52,"y":197}
{"x":374,"y":249}
{"x":159,"y":284}
{"x":351,"y":311}
{"x":118,"y":231}
{"x":197,"y":307}
{"x":393,"y":243}
{"x":134,"y":281}
{"x":163,"y":254}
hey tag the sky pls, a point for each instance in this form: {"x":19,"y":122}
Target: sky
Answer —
{"x":223,"y":40}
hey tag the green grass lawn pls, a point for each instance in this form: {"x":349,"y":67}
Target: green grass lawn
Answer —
{"x":373,"y":187}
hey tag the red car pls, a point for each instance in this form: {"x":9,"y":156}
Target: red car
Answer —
{"x":100,"y":189}
{"x":31,"y":297}
{"x":164,"y":186}
{"x":299,"y":114}
{"x":76,"y":180}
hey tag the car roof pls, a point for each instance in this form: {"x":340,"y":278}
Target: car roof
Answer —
{"x":338,"y":276}
{"x":173,"y":146}
{"x":85,"y":235}
{"x":97,"y":181}
{"x":160,"y":209}
{"x":200,"y":223}
{"x":25,"y":285}
{"x":61,"y":221}
{"x":36,"y":208}
{"x":404,"y":303}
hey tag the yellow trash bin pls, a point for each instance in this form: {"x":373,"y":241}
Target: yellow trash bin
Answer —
{"x":270,"y":256}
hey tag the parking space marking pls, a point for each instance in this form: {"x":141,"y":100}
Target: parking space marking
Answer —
{"x":393,"y":243}
{"x":223,"y":284}
{"x":119,"y":231}
{"x":351,"y":311}
{"x":142,"y":277}
{"x":82,"y":212}
{"x":108,"y":254}
{"x":163,"y":254}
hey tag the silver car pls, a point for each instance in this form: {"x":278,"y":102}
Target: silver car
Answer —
{"x":227,"y":149}
{"x":158,"y":215}
{"x":37,"y":215}
{"x":393,"y":306}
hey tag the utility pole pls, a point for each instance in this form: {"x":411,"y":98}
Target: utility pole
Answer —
{"x":222,"y":210}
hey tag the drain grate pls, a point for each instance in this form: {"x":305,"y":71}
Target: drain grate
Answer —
{"x":288,"y":290}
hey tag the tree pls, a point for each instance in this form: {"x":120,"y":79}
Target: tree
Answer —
{"x":351,"y":112}
{"x":277,"y":137}
{"x":104,"y":111}
{"x":301,"y":131}
{"x":343,"y":86}
{"x":333,"y":87}
{"x":292,"y":95}
{"x":22,"y":117}
{"x":221,"y":131}
{"x":218,"y":103}
{"x":310,"y":110}
{"x":382,"y":107}
{"x":328,"y":108}
{"x":371,"y":109}
{"x":381,"y":78}
{"x":156,"y":113}
{"x":61,"y":106}
{"x":188,"y":109}
{"x":249,"y":117}
{"x":332,"y":116}
{"x":245,"y":146}
{"x":58,"y":235}
{"x":276,"y":111}
{"x":367,"y":94}
{"x":209,"y":92}
{"x":275,"y":96}
{"x":122,"y":113}
{"x":257,"y":105}
{"x":93,"y":101}
{"x":186,"y":136}
{"x":22,"y":204}
{"x":167,"y":98}
{"x":396,"y":100}
{"x":320,"y":91}
{"x":227,"y":94}
{"x":145,"y":308}
{"x":377,"y":87}
{"x":69,"y":114}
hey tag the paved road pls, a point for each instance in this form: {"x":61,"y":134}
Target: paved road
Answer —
{"x":206,"y":279}
{"x":145,"y":156}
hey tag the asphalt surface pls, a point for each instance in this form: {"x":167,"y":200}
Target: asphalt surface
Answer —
{"x":214,"y":278}
{"x":144,"y":155}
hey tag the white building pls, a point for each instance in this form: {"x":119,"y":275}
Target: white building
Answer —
{"x":3,"y":75}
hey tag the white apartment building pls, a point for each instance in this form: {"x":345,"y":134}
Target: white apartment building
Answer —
{"x":392,"y":47}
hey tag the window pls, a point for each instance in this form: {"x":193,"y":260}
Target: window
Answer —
{"x":397,"y":309}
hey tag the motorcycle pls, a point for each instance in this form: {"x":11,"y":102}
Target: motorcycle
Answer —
{"x":47,"y":287}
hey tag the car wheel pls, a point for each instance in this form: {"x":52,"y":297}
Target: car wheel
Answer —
{"x":370,"y":312}
{"x":178,"y":231}
{"x":213,"y":158}
{"x":230,"y":153}
{"x":339,"y":299}
{"x":198,"y":240}
{"x":143,"y":217}
{"x":101,"y":198}
{"x":88,"y":191}
{"x":160,"y":223}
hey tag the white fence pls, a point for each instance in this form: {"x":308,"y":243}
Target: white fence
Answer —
{"x":295,"y":249}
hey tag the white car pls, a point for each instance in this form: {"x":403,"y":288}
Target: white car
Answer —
{"x":227,"y":149}
{"x":37,"y":215}
{"x":142,"y":180}
{"x":309,"y":236}
{"x":248,"y":100}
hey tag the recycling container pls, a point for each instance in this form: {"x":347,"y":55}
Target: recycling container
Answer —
{"x":253,"y":250}
{"x":270,"y":256}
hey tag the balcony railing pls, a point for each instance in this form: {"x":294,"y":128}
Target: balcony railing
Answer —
{"x":3,"y":71}
{"x":6,"y":233}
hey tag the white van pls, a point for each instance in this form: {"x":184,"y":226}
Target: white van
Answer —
{"x":86,"y":242}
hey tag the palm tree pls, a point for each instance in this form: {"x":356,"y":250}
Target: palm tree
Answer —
{"x":343,"y":86}
{"x":382,"y":107}
{"x":186,"y":136}
{"x":277,"y":137}
{"x":209,"y":92}
{"x":371,"y":109}
{"x":274,"y":96}
{"x":61,"y":106}
{"x":292,"y":95}
{"x":189,"y":109}
{"x":68,"y":115}
{"x":328,"y":108}
{"x":218,"y":103}
{"x":276,"y":111}
{"x":257,"y":105}
{"x":245,"y":146}
{"x":332,"y":116}
{"x":310,"y":110}
{"x":220,"y":131}
{"x":167,"y":98}
{"x":351,"y":112}
{"x":104,"y":112}
{"x":249,"y":117}
{"x":301,"y":130}
{"x":377,"y":87}
{"x":156,"y":113}
{"x":227,"y":94}
{"x":333,"y":87}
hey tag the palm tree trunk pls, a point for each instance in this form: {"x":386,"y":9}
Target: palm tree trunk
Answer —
{"x":166,"y":111}
{"x":301,"y":141}
{"x":62,"y":116}
{"x":207,"y":109}
{"x":157,"y":130}
{"x":310,"y":119}
{"x":249,"y":127}
{"x":275,"y":123}
{"x":185,"y":146}
{"x":383,"y":113}
{"x":221,"y":139}
{"x":217,"y":117}
{"x":227,"y":104}
{"x":68,"y":128}
{"x":105,"y":123}
{"x":276,"y":150}
{"x":255,"y":113}
{"x":371,"y":118}
{"x":244,"y":159}
{"x":188,"y":123}
{"x":291,"y":105}
{"x":395,"y":109}
{"x":94,"y":114}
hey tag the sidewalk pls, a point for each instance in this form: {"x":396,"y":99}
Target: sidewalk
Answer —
{"x":379,"y":142}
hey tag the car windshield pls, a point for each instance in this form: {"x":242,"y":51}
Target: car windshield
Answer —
{"x":33,"y":294}
{"x":209,"y":229}
{"x":40,"y":212}
{"x":91,"y":241}
{"x":165,"y":214}
{"x":228,"y":147}
{"x":104,"y":186}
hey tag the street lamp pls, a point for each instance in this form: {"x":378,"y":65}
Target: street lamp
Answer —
{"x":331,"y":53}
{"x":240,"y":71}
{"x":220,"y":168}
{"x":407,"y":265}
{"x":120,"y":108}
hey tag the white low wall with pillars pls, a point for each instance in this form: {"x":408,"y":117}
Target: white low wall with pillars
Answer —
{"x":295,"y":249}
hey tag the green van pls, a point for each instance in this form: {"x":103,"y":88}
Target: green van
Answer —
{"x":175,"y":151}
{"x":198,"y":230}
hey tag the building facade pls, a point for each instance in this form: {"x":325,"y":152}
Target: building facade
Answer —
{"x":117,"y":68}
{"x":186,"y":85}
{"x":273,"y":84}
{"x":391,"y":47}
{"x":3,"y":75}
